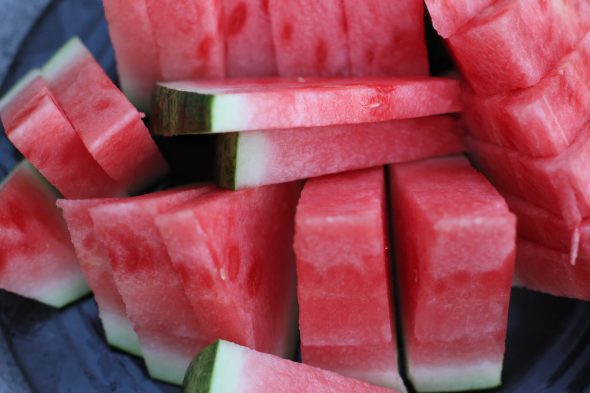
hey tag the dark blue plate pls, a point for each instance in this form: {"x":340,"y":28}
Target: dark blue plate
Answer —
{"x":45,"y":350}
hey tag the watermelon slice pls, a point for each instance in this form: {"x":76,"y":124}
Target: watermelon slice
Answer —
{"x":132,"y":36}
{"x":233,"y":252}
{"x":108,"y":124}
{"x":514,"y":43}
{"x":310,"y":37}
{"x":379,"y":46}
{"x":346,"y":318}
{"x":37,"y":127}
{"x":455,"y":246}
{"x":225,"y":106}
{"x":448,"y":16}
{"x":250,"y":159}
{"x":541,"y":120}
{"x":188,"y":37}
{"x":155,"y":302}
{"x":248,"y":38}
{"x":227,"y":367}
{"x":36,"y":257}
{"x":95,"y":264}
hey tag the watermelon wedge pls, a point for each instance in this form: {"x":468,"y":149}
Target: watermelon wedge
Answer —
{"x":155,"y":302}
{"x":248,"y":38}
{"x":346,"y":318}
{"x":225,"y":106}
{"x":455,"y":246}
{"x":514,"y":43}
{"x":36,"y":257}
{"x":251,"y":159}
{"x":95,"y":264}
{"x":448,"y":16}
{"x":228,"y":367}
{"x":132,"y":36}
{"x":543,"y":119}
{"x":37,"y":127}
{"x":108,"y":124}
{"x":233,"y":252}
{"x":310,"y":37}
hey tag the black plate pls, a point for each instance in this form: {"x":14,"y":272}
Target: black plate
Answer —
{"x":44,"y":350}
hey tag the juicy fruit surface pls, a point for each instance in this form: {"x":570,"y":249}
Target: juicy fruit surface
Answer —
{"x":448,"y":16}
{"x":344,"y":290}
{"x":36,"y":257}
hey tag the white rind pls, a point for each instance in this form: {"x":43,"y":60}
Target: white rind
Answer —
{"x":227,"y":369}
{"x":251,"y":159}
{"x":119,"y":332}
{"x":386,"y":378}
{"x":227,"y":113}
{"x":63,"y":58}
{"x":482,"y":375}
{"x":62,"y":293}
{"x":165,"y":365}
{"x":16,"y":89}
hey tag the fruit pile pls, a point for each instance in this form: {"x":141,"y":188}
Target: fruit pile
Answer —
{"x":341,"y":214}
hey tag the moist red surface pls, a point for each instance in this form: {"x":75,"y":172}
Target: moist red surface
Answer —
{"x":448,"y":16}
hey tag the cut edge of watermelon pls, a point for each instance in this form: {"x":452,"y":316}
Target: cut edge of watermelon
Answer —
{"x":163,"y":364}
{"x":482,"y":375}
{"x":19,"y":87}
{"x":119,"y":333}
{"x":233,"y":151}
{"x":60,"y":61}
{"x":215,"y":369}
{"x":65,"y":292}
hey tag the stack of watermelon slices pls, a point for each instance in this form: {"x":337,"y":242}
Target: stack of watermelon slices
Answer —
{"x":526,"y":107}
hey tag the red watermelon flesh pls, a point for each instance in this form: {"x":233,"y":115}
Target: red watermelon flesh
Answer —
{"x":346,"y":318}
{"x":94,"y":262}
{"x":108,"y":124}
{"x":248,"y":38}
{"x":38,"y":128}
{"x":448,"y":16}
{"x":189,"y":37}
{"x":310,"y":37}
{"x":386,"y":38}
{"x":455,"y":244}
{"x":514,"y":43}
{"x":132,"y":36}
{"x":36,"y":257}
{"x":233,"y":252}
{"x":546,"y":270}
{"x":251,"y":159}
{"x":543,"y":119}
{"x":155,"y":302}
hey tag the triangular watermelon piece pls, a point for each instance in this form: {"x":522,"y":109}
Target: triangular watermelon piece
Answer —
{"x":448,"y":16}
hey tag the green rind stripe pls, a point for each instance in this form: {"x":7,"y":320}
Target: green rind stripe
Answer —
{"x":177,"y":112}
{"x":226,"y":160}
{"x":199,"y":376}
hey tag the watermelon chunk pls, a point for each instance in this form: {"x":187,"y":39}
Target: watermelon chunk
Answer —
{"x":248,"y":38}
{"x":132,"y":36}
{"x":543,"y":119}
{"x":225,"y":106}
{"x":95,"y":264}
{"x":228,"y":367}
{"x":108,"y":124}
{"x":455,"y":246}
{"x":155,"y":302}
{"x":346,"y":318}
{"x":37,"y":127}
{"x":448,"y":16}
{"x":310,"y":37}
{"x":188,"y":37}
{"x":386,"y":37}
{"x":36,"y":257}
{"x":514,"y":43}
{"x":233,"y":252}
{"x":250,"y":159}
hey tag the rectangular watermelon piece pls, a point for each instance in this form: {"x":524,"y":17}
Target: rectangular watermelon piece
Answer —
{"x":233,"y":252}
{"x":138,"y":61}
{"x":227,"y":105}
{"x":386,"y":38}
{"x":455,"y":246}
{"x":95,"y":264}
{"x":310,"y":37}
{"x":188,"y":37}
{"x":543,"y":269}
{"x":37,"y":127}
{"x":37,"y":260}
{"x":248,"y":38}
{"x":448,"y":16}
{"x":251,"y":159}
{"x":344,"y":289}
{"x":227,"y":367}
{"x":541,"y":120}
{"x":108,"y":124}
{"x":514,"y":43}
{"x":151,"y":289}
